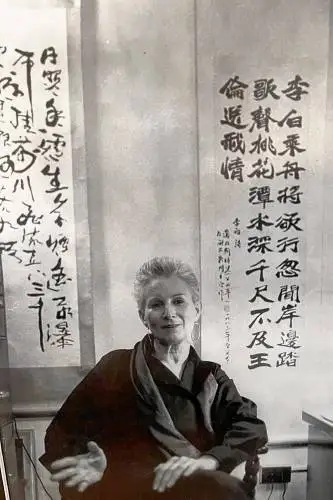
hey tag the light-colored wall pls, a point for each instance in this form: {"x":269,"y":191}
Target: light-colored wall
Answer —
{"x":141,"y":145}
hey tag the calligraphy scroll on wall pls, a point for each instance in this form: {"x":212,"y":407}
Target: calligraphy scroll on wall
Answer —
{"x":261,"y":163}
{"x":265,"y":168}
{"x":37,"y":223}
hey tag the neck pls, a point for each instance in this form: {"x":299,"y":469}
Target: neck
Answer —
{"x":173,"y":354}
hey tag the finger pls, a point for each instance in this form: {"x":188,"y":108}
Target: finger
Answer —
{"x":64,"y":462}
{"x":83,"y":486}
{"x":191,"y":469}
{"x":94,"y":448}
{"x":96,"y":456}
{"x":64,"y":474}
{"x":160,"y":469}
{"x":169,"y":474}
{"x":178,"y":472}
{"x":74,"y":481}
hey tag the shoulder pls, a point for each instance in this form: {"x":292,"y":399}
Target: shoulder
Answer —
{"x":113,"y":362}
{"x":215,"y":369}
{"x":114,"y":356}
{"x":111,"y":374}
{"x":111,"y":367}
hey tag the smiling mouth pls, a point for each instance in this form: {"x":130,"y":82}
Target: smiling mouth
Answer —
{"x":170,"y":326}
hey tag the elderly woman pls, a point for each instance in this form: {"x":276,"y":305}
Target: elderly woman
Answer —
{"x":155,"y":421}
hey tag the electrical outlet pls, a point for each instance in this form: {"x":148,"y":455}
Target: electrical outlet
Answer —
{"x":269,"y":475}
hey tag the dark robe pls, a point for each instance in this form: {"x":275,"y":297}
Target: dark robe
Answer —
{"x":104,"y":408}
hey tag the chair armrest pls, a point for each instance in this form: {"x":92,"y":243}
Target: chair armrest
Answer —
{"x":252,"y":466}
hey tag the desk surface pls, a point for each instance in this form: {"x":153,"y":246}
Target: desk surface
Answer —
{"x":321,"y":418}
{"x":320,"y":453}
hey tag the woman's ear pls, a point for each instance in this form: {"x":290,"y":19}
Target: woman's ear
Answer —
{"x":197,"y":306}
{"x":141,"y":315}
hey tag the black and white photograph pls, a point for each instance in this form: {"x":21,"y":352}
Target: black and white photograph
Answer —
{"x":166,"y":242}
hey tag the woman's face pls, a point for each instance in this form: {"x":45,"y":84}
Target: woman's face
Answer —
{"x":169,"y":311}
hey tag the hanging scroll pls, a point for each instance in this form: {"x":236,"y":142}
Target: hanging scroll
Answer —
{"x":37,"y":225}
{"x":261,"y":206}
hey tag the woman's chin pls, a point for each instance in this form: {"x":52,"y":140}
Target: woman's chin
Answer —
{"x":172,"y":338}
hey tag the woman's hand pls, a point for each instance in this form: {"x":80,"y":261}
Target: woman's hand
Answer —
{"x":81,"y":471}
{"x":167,"y":473}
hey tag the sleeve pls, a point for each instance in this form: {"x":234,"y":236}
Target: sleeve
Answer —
{"x":239,"y":432}
{"x":76,"y":422}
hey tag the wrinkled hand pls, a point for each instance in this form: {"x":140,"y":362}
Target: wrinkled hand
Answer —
{"x":81,"y":471}
{"x":167,"y":473}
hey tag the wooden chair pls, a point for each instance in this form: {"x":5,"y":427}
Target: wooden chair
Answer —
{"x":252,"y":467}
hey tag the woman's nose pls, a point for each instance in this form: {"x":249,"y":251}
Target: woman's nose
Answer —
{"x":169,"y":311}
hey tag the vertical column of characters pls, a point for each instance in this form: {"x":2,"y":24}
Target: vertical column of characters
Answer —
{"x":52,"y":149}
{"x":231,"y":167}
{"x":224,"y":283}
{"x":262,"y":172}
{"x":289,"y":224}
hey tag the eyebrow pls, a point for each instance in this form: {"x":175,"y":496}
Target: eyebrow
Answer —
{"x":180,"y":294}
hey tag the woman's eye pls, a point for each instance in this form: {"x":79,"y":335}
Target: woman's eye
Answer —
{"x":154,"y":305}
{"x":179,"y":301}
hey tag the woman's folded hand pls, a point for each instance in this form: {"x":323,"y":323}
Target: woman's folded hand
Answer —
{"x":167,"y":473}
{"x":80,"y":471}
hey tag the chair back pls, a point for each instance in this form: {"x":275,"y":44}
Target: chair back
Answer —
{"x":252,"y":467}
